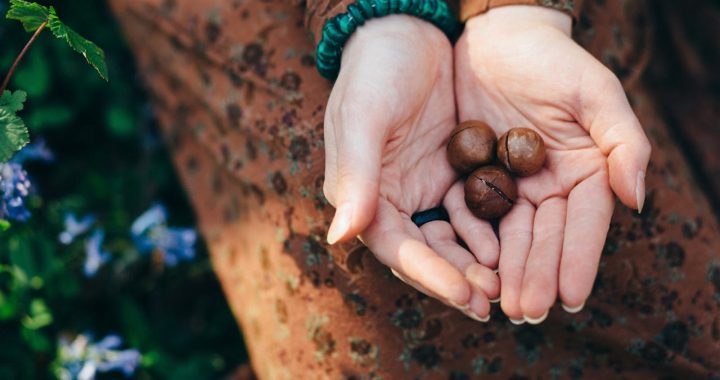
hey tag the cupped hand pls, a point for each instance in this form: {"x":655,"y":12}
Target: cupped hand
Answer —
{"x":516,"y":66}
{"x":387,"y":121}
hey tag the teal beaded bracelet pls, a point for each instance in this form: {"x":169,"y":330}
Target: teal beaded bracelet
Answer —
{"x":338,"y":29}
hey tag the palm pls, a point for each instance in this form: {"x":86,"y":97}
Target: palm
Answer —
{"x":536,"y":100}
{"x":388,"y":119}
{"x":550,"y":240}
{"x":415,"y":174}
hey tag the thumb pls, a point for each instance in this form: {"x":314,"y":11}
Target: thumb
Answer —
{"x":612,"y":124}
{"x":357,"y":187}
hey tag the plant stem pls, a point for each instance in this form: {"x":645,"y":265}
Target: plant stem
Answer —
{"x":21,"y":55}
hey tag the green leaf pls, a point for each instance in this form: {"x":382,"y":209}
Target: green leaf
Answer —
{"x":39,"y":315}
{"x":4,"y":225}
{"x":120,"y":121}
{"x":21,"y":258}
{"x":13,"y":134}
{"x":36,"y":340}
{"x":13,"y":101}
{"x":31,"y":15}
{"x":93,"y":54}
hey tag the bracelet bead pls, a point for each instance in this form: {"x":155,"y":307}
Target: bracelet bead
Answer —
{"x":356,"y":13}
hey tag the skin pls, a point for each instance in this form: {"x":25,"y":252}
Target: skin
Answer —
{"x":390,"y":115}
{"x":388,"y":119}
{"x":518,"y":66}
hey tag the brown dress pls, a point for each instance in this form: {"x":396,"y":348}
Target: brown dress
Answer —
{"x":241,"y":105}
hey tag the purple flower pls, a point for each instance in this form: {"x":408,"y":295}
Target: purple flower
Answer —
{"x":82,"y":359}
{"x":37,"y":151}
{"x":75,"y":227}
{"x":154,"y":216}
{"x":151,"y":233}
{"x":94,"y":255}
{"x":14,"y":190}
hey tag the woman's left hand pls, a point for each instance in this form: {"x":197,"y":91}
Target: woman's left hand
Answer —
{"x":516,"y":66}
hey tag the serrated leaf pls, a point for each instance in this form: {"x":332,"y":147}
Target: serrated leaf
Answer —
{"x":31,"y":15}
{"x":13,"y":134}
{"x":13,"y":101}
{"x":93,"y":54}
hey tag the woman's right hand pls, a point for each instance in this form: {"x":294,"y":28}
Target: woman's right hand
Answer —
{"x":387,"y":123}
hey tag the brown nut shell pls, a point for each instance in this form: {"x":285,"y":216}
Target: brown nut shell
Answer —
{"x":490,"y":192}
{"x":522,"y":151}
{"x":472,"y":144}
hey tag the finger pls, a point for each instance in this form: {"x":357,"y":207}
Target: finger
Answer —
{"x":392,"y":244}
{"x":440,"y":236}
{"x":330,"y":181}
{"x":515,"y":238}
{"x":477,"y":306}
{"x":584,"y":239}
{"x":540,"y":280}
{"x":412,"y":283}
{"x":358,"y":174}
{"x":612,"y":124}
{"x":476,"y":233}
{"x":485,"y":279}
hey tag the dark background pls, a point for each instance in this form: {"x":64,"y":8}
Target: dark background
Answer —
{"x":110,"y":161}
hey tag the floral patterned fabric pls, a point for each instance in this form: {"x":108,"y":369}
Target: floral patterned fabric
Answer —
{"x":241,"y":105}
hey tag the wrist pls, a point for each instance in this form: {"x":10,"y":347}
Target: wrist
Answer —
{"x":407,"y":32}
{"x":340,"y":28}
{"x":521,"y":18}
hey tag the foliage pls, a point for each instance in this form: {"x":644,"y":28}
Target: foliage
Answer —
{"x":109,"y":162}
{"x":34,"y":17}
{"x":13,"y":134}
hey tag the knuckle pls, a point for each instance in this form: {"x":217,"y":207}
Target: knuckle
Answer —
{"x":645,"y":148}
{"x":609,"y":81}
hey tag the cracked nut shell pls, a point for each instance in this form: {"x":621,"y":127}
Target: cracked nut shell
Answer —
{"x":522,"y":151}
{"x":472,"y":144}
{"x":490,"y":192}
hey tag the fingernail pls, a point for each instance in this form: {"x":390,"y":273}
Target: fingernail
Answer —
{"x":476,"y":317}
{"x":462,"y":308}
{"x":573,"y":310}
{"x":640,"y":190}
{"x":536,"y":321}
{"x":517,"y":321}
{"x":340,"y":223}
{"x":496,"y":300}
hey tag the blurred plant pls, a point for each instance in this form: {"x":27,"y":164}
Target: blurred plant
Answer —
{"x":82,"y":359}
{"x":74,"y":227}
{"x":35,"y":18}
{"x":95,"y":256}
{"x":37,"y":151}
{"x":15,"y":186}
{"x":151,"y":233}
{"x":76,"y":265}
{"x":14,"y":190}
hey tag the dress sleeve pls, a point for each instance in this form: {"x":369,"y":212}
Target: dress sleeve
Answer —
{"x":470,"y":8}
